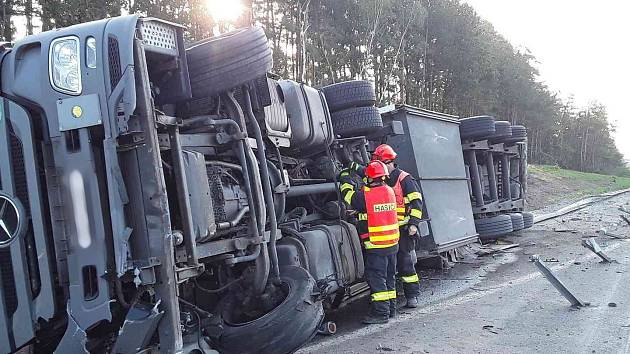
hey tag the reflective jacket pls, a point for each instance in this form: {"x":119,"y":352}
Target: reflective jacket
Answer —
{"x":377,"y":228}
{"x":408,"y":197}
{"x":380,"y":204}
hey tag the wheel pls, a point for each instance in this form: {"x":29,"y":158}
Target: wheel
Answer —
{"x":476,"y":127}
{"x":519,"y":134}
{"x":519,"y":131}
{"x":283,"y":330}
{"x":349,"y":94}
{"x":356,"y":121}
{"x":517,"y":221}
{"x":503,"y":130}
{"x":228,"y":61}
{"x":528,"y":220}
{"x":493,"y":227}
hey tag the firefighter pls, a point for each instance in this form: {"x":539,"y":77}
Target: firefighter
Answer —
{"x":409,"y":210}
{"x":378,"y":229}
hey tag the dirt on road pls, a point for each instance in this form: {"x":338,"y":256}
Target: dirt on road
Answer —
{"x":500,"y":303}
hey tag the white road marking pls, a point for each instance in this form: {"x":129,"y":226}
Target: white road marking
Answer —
{"x":456,"y":301}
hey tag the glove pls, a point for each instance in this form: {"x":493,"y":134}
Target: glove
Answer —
{"x":413,"y":231}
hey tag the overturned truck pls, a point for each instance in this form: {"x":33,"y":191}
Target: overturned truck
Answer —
{"x":159,"y":197}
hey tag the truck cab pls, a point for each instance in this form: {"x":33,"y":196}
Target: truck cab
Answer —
{"x":158,"y":196}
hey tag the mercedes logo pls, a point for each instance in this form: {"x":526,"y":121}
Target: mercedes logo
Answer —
{"x":11,"y":219}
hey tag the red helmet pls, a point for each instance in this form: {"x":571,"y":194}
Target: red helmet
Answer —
{"x":376,"y":169}
{"x":384,"y":152}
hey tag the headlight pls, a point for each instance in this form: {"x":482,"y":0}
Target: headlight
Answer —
{"x":90,"y":53}
{"x":65,"y":65}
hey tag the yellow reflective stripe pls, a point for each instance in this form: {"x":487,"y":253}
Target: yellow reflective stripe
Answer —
{"x":392,"y":294}
{"x":381,"y":296}
{"x":383,"y":228}
{"x":393,"y":236}
{"x":400,"y":210}
{"x":366,"y":188}
{"x":401,"y":217}
{"x":348,"y":197}
{"x":403,"y":222}
{"x":369,"y":245}
{"x":413,"y":196}
{"x":406,"y":200}
{"x":354,"y":166}
{"x":410,"y":279}
{"x":362,"y":216}
{"x":416,"y":213}
{"x":346,"y":186}
{"x":344,"y":174}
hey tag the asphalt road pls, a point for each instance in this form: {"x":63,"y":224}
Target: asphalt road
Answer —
{"x":502,"y":304}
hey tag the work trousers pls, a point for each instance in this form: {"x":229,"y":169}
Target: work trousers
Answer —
{"x":380,"y":273}
{"x":406,"y":264}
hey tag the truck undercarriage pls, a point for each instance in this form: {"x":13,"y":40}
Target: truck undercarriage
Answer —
{"x":173,"y":198}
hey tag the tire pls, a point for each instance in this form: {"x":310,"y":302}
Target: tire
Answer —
{"x":519,"y":134}
{"x":349,"y":94}
{"x":228,"y":61}
{"x":517,"y":221}
{"x":519,"y":131}
{"x":503,"y":130}
{"x":528,"y":220}
{"x":283,"y":330}
{"x":476,"y":127}
{"x":356,"y":121}
{"x":493,"y":227}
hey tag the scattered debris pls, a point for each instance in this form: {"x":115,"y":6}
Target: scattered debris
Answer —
{"x":573,"y":231}
{"x":494,"y":248}
{"x":592,"y":245}
{"x":612,"y":304}
{"x":577,"y":262}
{"x":384,"y":349}
{"x":605,"y":232}
{"x":489,"y":329}
{"x":551,"y":260}
{"x":557,"y":283}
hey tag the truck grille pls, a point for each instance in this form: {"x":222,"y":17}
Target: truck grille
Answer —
{"x":6,"y":264}
{"x":8,"y":282}
{"x":113,"y":53}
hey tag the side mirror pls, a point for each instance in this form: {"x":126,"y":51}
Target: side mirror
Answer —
{"x":12,"y":220}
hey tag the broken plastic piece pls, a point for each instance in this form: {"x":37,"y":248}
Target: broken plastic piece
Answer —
{"x":557,"y":283}
{"x":592,"y":245}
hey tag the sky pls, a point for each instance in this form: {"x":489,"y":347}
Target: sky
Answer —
{"x":582,"y":48}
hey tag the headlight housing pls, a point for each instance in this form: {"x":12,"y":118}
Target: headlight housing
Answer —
{"x":65,"y":65}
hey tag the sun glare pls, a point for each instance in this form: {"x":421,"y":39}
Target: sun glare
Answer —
{"x":225,"y":10}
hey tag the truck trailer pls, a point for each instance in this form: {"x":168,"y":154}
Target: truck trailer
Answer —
{"x":158,"y":196}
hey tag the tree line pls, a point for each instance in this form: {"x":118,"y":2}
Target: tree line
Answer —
{"x":435,"y":54}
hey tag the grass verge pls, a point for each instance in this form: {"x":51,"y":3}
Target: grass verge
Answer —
{"x":598,"y":183}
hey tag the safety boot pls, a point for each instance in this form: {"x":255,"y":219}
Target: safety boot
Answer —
{"x":412,"y":303}
{"x":393,"y":311}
